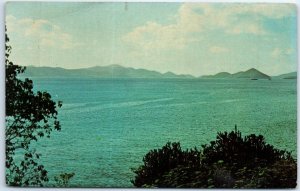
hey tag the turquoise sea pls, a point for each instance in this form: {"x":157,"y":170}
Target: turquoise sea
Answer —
{"x":108,"y":125}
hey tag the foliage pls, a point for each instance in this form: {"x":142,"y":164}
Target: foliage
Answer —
{"x":63,"y":179}
{"x":159,"y":161}
{"x":29,"y":116}
{"x":230,"y":161}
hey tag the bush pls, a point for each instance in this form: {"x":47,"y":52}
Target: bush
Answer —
{"x":63,"y":179}
{"x":230,"y":161}
{"x":160,"y":161}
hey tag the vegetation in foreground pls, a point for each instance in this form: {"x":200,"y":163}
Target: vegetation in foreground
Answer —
{"x":231,"y":161}
{"x":29,"y":117}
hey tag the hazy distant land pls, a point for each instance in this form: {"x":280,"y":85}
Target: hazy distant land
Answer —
{"x":292,"y":75}
{"x":252,"y":74}
{"x":117,"y":71}
{"x":111,"y":71}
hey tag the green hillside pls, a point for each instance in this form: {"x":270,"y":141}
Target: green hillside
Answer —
{"x":252,"y":74}
{"x":111,"y":71}
{"x":291,"y":75}
{"x":218,"y":75}
{"x":248,"y":74}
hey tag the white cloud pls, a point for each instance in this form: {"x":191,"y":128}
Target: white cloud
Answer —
{"x":272,"y":10}
{"x":155,"y":36}
{"x":231,"y":19}
{"x":289,"y":51}
{"x":277,"y":52}
{"x":44,"y":32}
{"x":218,"y":49}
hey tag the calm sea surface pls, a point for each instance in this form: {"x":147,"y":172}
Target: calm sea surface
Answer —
{"x":109,"y":125}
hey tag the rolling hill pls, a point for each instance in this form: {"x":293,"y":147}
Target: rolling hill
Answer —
{"x":249,"y":74}
{"x":291,"y":75}
{"x":218,"y":75}
{"x":117,"y":71}
{"x":111,"y":71}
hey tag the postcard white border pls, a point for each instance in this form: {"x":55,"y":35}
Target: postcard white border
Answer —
{"x":3,"y":186}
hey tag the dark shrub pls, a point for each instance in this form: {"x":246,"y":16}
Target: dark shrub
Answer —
{"x":160,"y":161}
{"x":230,"y":161}
{"x":249,"y":151}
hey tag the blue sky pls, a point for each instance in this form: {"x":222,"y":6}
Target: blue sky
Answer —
{"x":185,"y":38}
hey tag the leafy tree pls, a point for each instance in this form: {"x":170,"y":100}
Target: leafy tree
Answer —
{"x":159,"y":161}
{"x":63,"y":179}
{"x":29,"y":116}
{"x":231,"y":161}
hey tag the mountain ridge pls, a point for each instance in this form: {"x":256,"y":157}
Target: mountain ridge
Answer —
{"x":109,"y":71}
{"x":290,"y":75}
{"x":252,"y":73}
{"x":118,"y":71}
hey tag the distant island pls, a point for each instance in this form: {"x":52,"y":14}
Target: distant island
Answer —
{"x":111,"y":71}
{"x":250,"y":74}
{"x":292,"y":75}
{"x":117,"y":71}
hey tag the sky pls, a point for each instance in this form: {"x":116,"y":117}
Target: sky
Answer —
{"x":184,"y":38}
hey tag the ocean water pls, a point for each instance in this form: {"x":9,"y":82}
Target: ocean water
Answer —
{"x":108,"y":125}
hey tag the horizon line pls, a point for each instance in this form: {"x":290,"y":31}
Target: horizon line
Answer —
{"x":118,"y":65}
